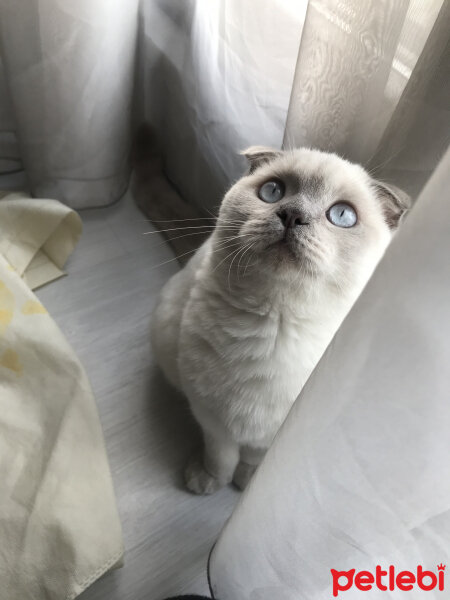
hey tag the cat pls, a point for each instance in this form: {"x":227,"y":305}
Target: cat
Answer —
{"x":240,"y":328}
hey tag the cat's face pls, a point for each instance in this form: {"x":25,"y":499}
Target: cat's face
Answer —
{"x":311,"y":211}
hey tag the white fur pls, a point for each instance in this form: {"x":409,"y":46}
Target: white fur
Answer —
{"x":242,"y":345}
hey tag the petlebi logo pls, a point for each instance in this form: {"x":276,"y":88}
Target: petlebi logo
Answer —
{"x":388,"y":579}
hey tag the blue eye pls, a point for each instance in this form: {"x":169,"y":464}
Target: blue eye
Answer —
{"x":271,"y":191}
{"x":342,"y":215}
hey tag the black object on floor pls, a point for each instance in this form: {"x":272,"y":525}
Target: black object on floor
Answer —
{"x":189,"y":598}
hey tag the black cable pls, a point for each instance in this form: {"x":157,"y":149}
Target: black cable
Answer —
{"x":190,"y":597}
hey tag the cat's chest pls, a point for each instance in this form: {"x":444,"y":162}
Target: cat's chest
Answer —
{"x":279,"y":337}
{"x":257,"y":344}
{"x":246,"y":367}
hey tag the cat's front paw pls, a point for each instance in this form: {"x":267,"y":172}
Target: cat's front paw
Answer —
{"x":198,"y":480}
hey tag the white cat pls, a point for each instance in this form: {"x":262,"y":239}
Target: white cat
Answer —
{"x":242,"y":326}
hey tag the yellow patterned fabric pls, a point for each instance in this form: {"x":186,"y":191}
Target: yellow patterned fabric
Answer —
{"x":59,"y":528}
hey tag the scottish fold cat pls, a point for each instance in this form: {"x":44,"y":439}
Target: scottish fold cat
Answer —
{"x":240,"y":328}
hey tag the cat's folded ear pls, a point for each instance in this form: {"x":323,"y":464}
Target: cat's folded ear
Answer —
{"x":258,"y":155}
{"x":395,"y":202}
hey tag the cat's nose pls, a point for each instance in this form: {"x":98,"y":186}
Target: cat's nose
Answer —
{"x":291,"y":217}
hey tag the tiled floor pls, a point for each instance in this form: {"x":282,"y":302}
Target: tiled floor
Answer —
{"x":103,"y":307}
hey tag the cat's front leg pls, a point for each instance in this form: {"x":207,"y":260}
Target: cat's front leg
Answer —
{"x":249,"y":460}
{"x":213,"y":470}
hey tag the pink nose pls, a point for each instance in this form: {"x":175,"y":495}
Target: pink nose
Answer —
{"x":291,"y":217}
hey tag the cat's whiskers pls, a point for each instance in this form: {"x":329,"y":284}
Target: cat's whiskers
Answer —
{"x":178,"y":237}
{"x":249,"y":247}
{"x":230,"y":237}
{"x":175,"y":258}
{"x":177,"y":220}
{"x":215,"y":219}
{"x":223,"y":219}
{"x":226,"y":245}
{"x":233,"y":243}
{"x":206,"y":227}
{"x":232,"y":261}
{"x":252,"y":254}
{"x":228,"y":255}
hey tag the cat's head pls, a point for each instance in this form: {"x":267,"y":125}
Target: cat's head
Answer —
{"x":310,"y":211}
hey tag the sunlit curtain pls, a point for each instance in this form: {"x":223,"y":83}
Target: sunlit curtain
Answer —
{"x":368,"y":79}
{"x":372,"y":83}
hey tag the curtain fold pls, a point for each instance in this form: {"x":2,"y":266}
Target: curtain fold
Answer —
{"x":9,"y":150}
{"x":214,"y":78}
{"x":358,"y":474}
{"x":418,"y":132}
{"x":69,"y":70}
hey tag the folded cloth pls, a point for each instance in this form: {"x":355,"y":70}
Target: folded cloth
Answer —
{"x":36,"y":236}
{"x":59,"y":527}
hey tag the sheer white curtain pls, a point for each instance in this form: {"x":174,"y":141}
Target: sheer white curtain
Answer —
{"x":66,"y":88}
{"x":358,"y":475}
{"x":215,"y":77}
{"x":372,"y":84}
{"x":368,"y":79}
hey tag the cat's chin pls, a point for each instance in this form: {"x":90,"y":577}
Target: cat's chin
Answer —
{"x":284,"y":249}
{"x":285,"y":257}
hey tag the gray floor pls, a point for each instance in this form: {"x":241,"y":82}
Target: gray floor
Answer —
{"x":103,"y":308}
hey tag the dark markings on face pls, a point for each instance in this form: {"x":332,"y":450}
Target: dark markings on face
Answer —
{"x":312,"y":186}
